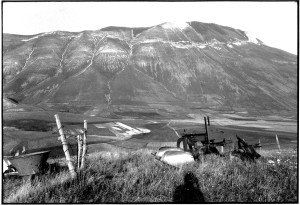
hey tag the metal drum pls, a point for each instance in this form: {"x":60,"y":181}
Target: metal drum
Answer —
{"x":29,"y":164}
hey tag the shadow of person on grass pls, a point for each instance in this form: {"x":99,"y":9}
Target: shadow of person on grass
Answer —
{"x":189,"y":192}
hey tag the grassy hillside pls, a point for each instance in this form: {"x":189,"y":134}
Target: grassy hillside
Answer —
{"x":137,"y":177}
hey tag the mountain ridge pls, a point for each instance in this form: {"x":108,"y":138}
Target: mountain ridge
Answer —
{"x":183,"y":66}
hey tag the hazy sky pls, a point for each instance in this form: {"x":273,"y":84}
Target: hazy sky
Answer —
{"x":275,"y":23}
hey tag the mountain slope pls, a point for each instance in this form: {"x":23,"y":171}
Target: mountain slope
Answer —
{"x":171,"y":66}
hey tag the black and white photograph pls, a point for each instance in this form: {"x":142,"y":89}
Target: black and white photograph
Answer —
{"x":150,"y":102}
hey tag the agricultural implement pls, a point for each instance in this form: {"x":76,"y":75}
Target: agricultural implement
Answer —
{"x":195,"y":145}
{"x":209,"y":146}
{"x":26,"y":165}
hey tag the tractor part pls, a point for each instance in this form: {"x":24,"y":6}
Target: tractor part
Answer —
{"x":245,"y":151}
{"x":190,"y":141}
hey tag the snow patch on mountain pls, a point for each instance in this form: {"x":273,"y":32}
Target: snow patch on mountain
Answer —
{"x":201,"y":46}
{"x":229,"y":45}
{"x":40,"y":35}
{"x":176,"y":24}
{"x":215,"y":44}
{"x":77,"y":36}
{"x":191,"y":44}
{"x":252,"y":38}
{"x":239,"y":43}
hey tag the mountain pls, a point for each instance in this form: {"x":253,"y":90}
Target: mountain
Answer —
{"x":173,"y":67}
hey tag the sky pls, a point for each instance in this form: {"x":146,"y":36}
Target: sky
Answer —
{"x":274,"y":23}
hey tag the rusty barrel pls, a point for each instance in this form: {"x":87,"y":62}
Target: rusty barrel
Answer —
{"x":29,"y":164}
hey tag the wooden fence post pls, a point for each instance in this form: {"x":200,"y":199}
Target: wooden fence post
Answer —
{"x":207,"y":139}
{"x":260,"y":145}
{"x":65,"y":147}
{"x":84,"y":147}
{"x":232,"y":149}
{"x":278,"y":143}
{"x":79,"y":138}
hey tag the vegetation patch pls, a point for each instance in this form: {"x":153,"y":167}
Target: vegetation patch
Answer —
{"x":138,"y":177}
{"x":29,"y":125}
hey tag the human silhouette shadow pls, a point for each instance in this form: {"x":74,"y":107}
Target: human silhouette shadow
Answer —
{"x":189,"y":192}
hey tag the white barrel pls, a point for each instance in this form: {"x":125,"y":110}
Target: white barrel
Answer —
{"x":162,"y":151}
{"x":177,"y":158}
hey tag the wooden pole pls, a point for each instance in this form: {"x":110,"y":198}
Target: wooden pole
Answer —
{"x":79,"y":138}
{"x":260,"y":145}
{"x":84,"y":147}
{"x":65,"y":147}
{"x":184,"y":142}
{"x":278,"y":143}
{"x":232,"y":149}
{"x":207,"y":139}
{"x":205,"y":125}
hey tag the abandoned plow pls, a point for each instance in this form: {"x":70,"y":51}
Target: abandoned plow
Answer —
{"x":196,"y":145}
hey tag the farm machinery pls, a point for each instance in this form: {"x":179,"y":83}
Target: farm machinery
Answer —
{"x":195,"y":145}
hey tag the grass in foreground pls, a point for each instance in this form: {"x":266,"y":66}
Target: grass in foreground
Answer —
{"x":138,"y":177}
